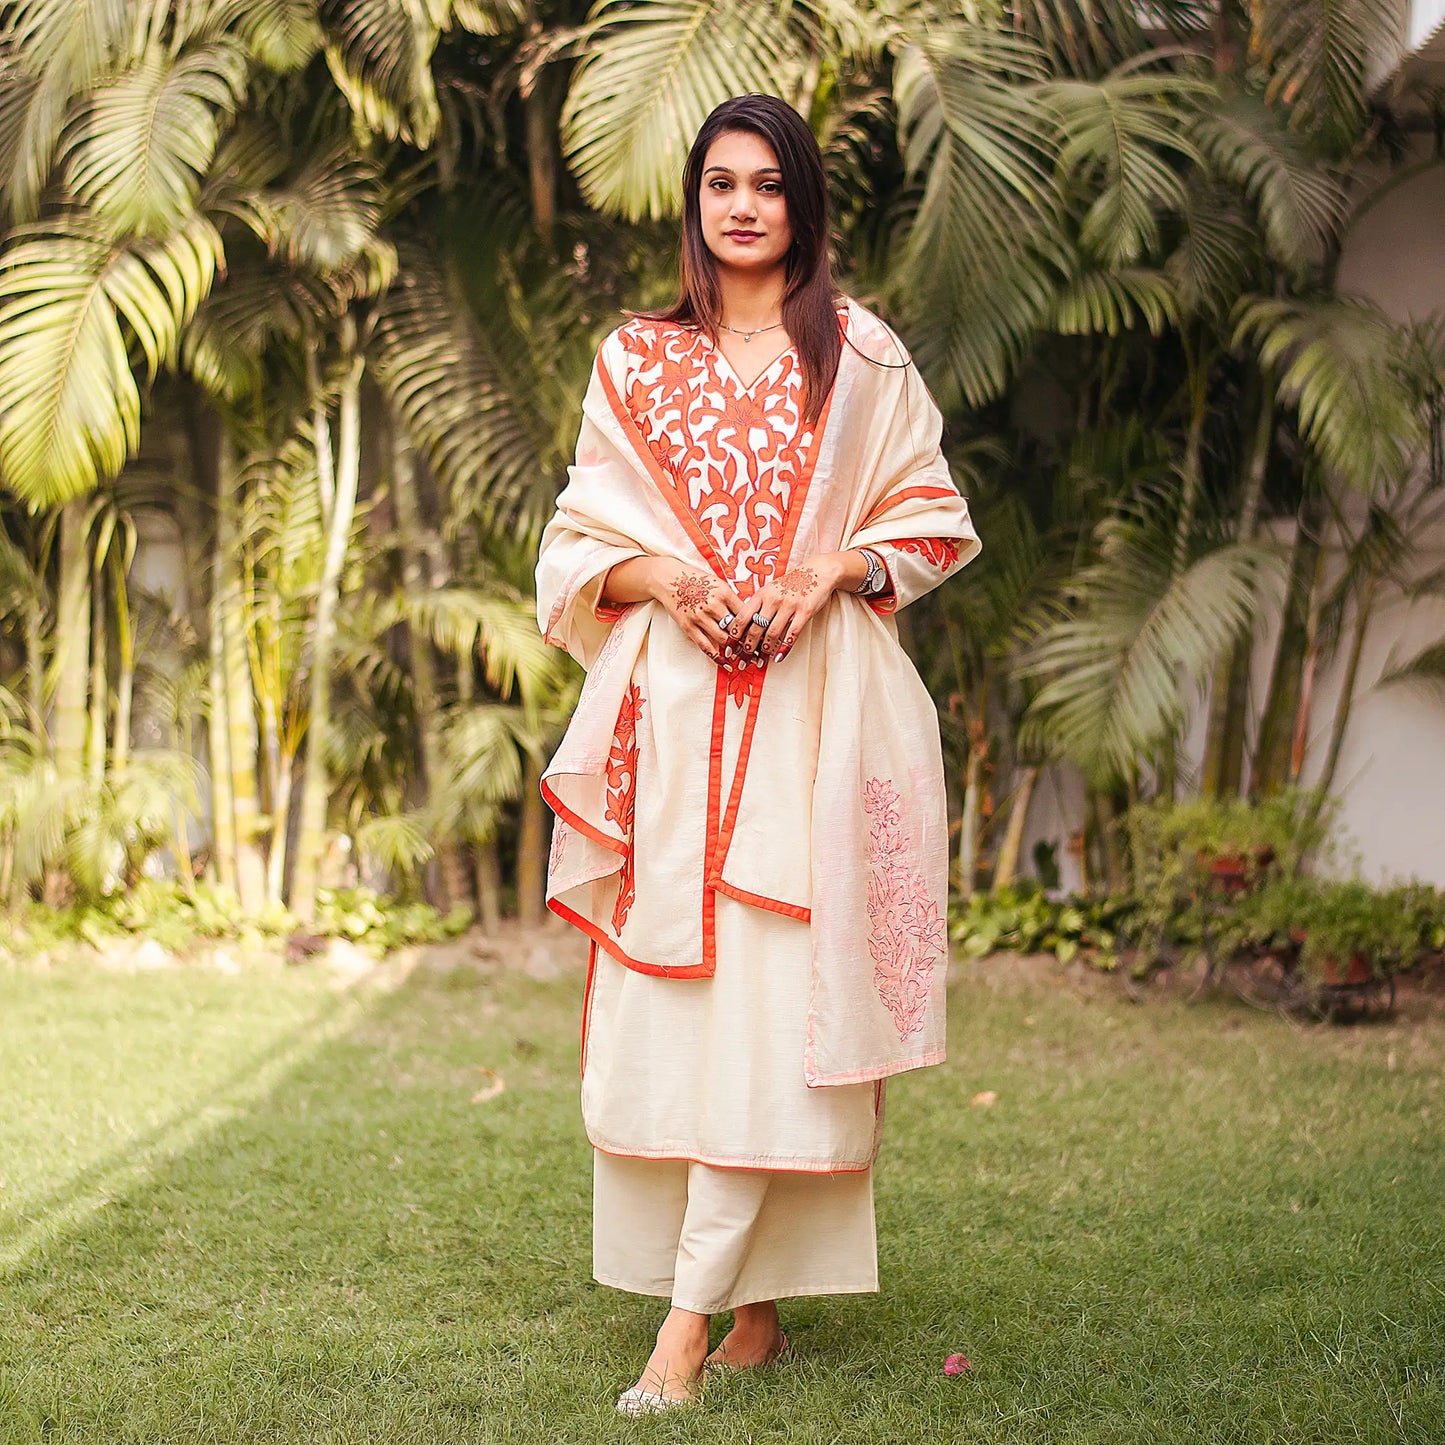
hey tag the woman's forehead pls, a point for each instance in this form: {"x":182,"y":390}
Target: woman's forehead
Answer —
{"x":741,"y":152}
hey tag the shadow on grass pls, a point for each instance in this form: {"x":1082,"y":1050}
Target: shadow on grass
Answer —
{"x":1144,"y":1240}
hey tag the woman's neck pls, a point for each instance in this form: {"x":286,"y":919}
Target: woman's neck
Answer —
{"x":751,"y":299}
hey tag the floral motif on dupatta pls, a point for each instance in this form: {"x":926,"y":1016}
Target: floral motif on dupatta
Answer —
{"x":907,"y":937}
{"x":622,"y":796}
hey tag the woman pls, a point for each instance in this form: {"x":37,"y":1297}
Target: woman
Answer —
{"x":750,"y":807}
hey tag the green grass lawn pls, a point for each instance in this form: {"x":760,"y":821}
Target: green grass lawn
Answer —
{"x":264,"y":1207}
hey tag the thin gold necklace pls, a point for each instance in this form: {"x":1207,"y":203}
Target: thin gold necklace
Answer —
{"x":748,"y":335}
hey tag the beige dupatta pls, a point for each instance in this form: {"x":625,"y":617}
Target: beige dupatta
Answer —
{"x":834,"y":813}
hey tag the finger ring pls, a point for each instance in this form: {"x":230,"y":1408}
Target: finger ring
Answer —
{"x":727,"y":621}
{"x":760,"y":621}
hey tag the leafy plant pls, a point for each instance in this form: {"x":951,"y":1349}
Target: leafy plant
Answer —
{"x":1023,"y":919}
{"x":1333,"y":923}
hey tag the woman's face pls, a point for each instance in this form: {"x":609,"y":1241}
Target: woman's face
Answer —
{"x":744,"y":213}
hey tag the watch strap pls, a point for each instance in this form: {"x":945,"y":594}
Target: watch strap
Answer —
{"x":871,"y":580}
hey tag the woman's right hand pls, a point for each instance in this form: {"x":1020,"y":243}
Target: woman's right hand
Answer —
{"x":697,"y":601}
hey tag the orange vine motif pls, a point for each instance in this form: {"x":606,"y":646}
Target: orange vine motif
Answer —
{"x":622,"y":796}
{"x":907,"y":937}
{"x":941,"y":551}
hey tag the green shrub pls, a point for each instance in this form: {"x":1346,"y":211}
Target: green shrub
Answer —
{"x":179,"y":919}
{"x":1023,"y":919}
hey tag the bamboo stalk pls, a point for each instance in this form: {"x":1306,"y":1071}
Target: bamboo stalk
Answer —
{"x":1010,"y":848}
{"x":240,"y":696}
{"x":532,"y":846}
{"x":99,"y":689}
{"x":218,"y":736}
{"x":72,"y":641}
{"x":316,"y":788}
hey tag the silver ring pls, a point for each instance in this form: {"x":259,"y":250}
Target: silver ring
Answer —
{"x":726,"y":621}
{"x":760,"y":621}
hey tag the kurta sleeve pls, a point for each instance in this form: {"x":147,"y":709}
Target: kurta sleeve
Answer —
{"x":581,"y":544}
{"x":919,"y":523}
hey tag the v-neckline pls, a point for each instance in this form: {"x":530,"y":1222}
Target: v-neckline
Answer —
{"x":747,"y":389}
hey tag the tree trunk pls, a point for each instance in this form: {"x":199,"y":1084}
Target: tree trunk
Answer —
{"x":968,"y":825}
{"x":542,"y":164}
{"x":35,"y":665}
{"x":1111,"y":847}
{"x":1345,"y":703}
{"x":489,"y":887}
{"x":218,"y":733}
{"x":316,"y":789}
{"x":532,"y":847}
{"x":99,"y":685}
{"x":1013,"y":839}
{"x":1224,"y":743}
{"x":240,"y":695}
{"x":1271,"y":768}
{"x":1300,"y":735}
{"x":72,"y":641}
{"x":125,"y":677}
{"x":450,"y":868}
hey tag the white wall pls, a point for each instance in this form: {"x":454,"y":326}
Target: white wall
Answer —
{"x":1391,"y":775}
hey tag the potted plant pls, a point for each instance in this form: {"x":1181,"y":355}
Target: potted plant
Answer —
{"x":1345,"y":933}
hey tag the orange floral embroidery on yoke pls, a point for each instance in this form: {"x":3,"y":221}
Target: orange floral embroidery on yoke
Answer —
{"x":622,"y":796}
{"x":735,"y":455}
{"x":907,"y":937}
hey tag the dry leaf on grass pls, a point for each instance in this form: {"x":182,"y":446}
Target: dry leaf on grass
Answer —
{"x":495,"y":1085}
{"x":983,"y":1100}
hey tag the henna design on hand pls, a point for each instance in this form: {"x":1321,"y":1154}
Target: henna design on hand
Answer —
{"x":691,"y":593}
{"x":797,"y":583}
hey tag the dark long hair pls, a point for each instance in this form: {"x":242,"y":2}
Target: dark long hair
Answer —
{"x":809,"y":296}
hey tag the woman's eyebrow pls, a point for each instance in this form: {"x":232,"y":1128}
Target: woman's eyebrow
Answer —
{"x":761,"y":171}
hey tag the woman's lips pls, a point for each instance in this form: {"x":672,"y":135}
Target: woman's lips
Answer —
{"x":746,"y":237}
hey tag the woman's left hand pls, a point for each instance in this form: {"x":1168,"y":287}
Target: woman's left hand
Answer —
{"x":788,"y":603}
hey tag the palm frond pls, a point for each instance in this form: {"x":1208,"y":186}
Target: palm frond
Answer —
{"x":1319,"y":55}
{"x":1124,"y":137}
{"x":1089,"y":37}
{"x":142,"y":141}
{"x":327,"y":217}
{"x":1299,"y":202}
{"x":1111,"y":302}
{"x":379,"y":53}
{"x":502,"y":629}
{"x":475,"y":422}
{"x":397,"y":841}
{"x":1216,"y":252}
{"x":1425,"y":671}
{"x":651,"y":72}
{"x":1110,"y":670}
{"x":71,"y":304}
{"x":1341,"y":364}
{"x":984,"y":252}
{"x":282,"y":34}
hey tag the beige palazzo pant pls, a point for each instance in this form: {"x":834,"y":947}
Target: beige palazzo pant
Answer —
{"x":720,"y":1178}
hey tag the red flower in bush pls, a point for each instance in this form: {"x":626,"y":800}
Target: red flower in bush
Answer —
{"x":956,"y":1365}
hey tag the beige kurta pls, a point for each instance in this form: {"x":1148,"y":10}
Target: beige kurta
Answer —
{"x":758,"y":857}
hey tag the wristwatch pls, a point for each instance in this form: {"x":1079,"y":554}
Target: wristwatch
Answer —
{"x":877,"y":578}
